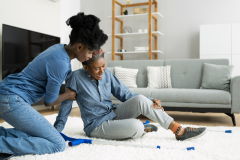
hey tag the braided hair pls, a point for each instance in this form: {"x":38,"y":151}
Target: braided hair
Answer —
{"x":85,"y":30}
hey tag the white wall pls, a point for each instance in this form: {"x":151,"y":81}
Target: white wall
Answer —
{"x":69,"y":8}
{"x":180,"y":25}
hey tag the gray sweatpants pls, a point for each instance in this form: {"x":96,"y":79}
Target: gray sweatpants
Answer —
{"x":124,"y":125}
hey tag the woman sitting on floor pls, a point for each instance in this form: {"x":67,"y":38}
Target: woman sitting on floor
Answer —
{"x":94,"y":85}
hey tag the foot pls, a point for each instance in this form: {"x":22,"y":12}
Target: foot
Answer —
{"x":150,"y":128}
{"x":192,"y":133}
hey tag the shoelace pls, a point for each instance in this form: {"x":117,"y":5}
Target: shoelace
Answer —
{"x":193,"y":129}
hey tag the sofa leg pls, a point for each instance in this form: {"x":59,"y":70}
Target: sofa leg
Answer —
{"x":233,"y":118}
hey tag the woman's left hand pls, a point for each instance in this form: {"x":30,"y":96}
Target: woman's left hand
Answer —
{"x":157,"y":104}
{"x":71,"y":94}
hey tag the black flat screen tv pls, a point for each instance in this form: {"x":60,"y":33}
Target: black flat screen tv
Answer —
{"x":20,"y":46}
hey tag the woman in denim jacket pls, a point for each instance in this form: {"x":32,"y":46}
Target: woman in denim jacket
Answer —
{"x":32,"y":133}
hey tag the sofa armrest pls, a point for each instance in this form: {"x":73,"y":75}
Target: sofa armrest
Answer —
{"x":235,"y":93}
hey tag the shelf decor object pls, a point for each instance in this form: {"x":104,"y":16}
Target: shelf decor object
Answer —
{"x":150,"y":32}
{"x":127,"y":29}
{"x":140,"y":10}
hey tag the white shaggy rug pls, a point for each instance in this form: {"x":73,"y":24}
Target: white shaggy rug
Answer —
{"x":213,"y":145}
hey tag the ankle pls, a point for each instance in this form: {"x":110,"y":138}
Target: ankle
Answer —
{"x":181,"y":132}
{"x":171,"y":125}
{"x":178,"y":130}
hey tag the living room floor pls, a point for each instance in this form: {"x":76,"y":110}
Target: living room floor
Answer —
{"x":201,"y":119}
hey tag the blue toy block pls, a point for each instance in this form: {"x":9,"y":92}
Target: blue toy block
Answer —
{"x":228,"y":131}
{"x":147,"y":121}
{"x":190,"y":148}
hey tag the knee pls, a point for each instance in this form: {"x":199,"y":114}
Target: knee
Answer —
{"x":60,"y":145}
{"x":142,"y":99}
{"x":138,"y":128}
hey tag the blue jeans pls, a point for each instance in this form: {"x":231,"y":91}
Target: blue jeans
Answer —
{"x":32,"y":133}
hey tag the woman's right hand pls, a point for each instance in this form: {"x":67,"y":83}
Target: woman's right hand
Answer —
{"x":71,"y":94}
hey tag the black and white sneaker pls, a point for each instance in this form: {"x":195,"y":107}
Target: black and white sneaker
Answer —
{"x":192,"y":133}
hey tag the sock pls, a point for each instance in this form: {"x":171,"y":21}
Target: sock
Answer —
{"x":178,"y":130}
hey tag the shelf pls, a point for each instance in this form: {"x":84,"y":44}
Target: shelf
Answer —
{"x":133,"y":52}
{"x":136,"y":34}
{"x":147,"y":18}
{"x":157,"y":14}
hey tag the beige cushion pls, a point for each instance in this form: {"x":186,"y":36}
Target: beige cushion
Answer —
{"x":159,"y":77}
{"x":127,"y":76}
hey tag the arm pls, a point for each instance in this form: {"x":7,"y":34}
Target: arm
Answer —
{"x":57,"y":71}
{"x":69,"y":94}
{"x":65,"y":110}
{"x":66,"y":106}
{"x":235,"y":93}
{"x":120,"y":90}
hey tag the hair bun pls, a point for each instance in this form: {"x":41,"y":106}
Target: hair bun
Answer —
{"x":76,"y":21}
{"x":80,"y":20}
{"x":96,"y":52}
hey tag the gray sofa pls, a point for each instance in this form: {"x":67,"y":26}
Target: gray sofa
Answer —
{"x":185,"y":95}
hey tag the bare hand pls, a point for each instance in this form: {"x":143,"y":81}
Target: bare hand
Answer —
{"x":157,"y":104}
{"x":71,"y":94}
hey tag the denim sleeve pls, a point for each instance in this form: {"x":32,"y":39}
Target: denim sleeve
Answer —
{"x":120,"y":90}
{"x":65,"y":110}
{"x":71,"y":82}
{"x":57,"y":71}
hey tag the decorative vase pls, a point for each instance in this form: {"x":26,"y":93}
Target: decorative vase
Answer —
{"x":125,"y":12}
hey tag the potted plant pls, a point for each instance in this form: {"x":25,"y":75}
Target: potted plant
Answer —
{"x":126,"y":11}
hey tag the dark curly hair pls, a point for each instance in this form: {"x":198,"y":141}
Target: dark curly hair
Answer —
{"x":85,"y":30}
{"x":95,"y":56}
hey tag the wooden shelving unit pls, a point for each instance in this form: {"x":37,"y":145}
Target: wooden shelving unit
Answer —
{"x":120,"y":18}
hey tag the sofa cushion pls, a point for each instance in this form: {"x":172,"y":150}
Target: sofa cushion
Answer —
{"x":159,"y":77}
{"x":205,"y":96}
{"x":127,"y":76}
{"x":187,"y":73}
{"x":216,"y":76}
{"x":141,"y":65}
{"x":112,"y":69}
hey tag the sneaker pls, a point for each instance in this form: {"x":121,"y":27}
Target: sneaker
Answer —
{"x":192,"y":133}
{"x":150,"y":128}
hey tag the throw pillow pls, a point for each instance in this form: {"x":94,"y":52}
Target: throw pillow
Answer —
{"x":216,"y":76}
{"x":127,"y":76}
{"x":159,"y":77}
{"x":112,"y":69}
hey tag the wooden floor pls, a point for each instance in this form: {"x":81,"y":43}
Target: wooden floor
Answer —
{"x":203,"y":119}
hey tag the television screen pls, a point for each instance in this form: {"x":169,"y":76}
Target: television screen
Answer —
{"x":21,"y":46}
